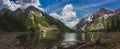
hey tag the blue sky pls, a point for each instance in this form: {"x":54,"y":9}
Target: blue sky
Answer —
{"x":82,"y":7}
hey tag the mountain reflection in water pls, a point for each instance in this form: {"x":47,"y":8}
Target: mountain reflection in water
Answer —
{"x":70,"y":39}
{"x":58,"y":41}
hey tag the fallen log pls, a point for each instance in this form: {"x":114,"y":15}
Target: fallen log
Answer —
{"x":92,"y":44}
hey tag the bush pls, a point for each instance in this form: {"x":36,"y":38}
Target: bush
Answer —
{"x":105,"y":44}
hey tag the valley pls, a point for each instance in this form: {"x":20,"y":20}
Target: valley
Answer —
{"x":31,"y":28}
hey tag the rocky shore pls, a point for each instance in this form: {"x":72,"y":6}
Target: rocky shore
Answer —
{"x":105,"y":41}
{"x":9,"y":40}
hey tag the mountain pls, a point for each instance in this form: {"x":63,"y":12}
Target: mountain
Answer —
{"x":29,"y":19}
{"x":96,"y":21}
{"x":117,"y":11}
{"x":18,"y":11}
{"x":104,"y":11}
{"x":5,"y":10}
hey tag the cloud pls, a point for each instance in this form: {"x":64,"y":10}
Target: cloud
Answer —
{"x":68,"y":16}
{"x":8,"y":4}
{"x":23,"y":4}
{"x":90,"y":5}
{"x":112,"y":1}
{"x":56,"y":5}
{"x":78,"y":7}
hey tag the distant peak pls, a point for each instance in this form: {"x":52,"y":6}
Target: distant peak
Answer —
{"x":105,"y":11}
{"x":19,"y":10}
{"x":32,"y":8}
{"x":5,"y":10}
{"x":117,"y":11}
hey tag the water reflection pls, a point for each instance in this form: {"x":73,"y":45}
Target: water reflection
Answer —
{"x":56,"y":41}
{"x":82,"y":36}
{"x":70,"y":39}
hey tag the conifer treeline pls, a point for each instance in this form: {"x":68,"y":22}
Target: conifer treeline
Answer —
{"x":113,"y":23}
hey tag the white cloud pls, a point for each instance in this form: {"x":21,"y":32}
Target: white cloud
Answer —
{"x":26,"y":3}
{"x":79,"y":7}
{"x":83,"y":7}
{"x":19,"y":4}
{"x":8,"y":4}
{"x":68,"y":16}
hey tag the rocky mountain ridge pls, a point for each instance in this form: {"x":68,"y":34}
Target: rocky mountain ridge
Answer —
{"x":96,"y":21}
{"x":30,"y":18}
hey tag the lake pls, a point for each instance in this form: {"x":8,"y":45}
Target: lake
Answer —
{"x":57,"y":41}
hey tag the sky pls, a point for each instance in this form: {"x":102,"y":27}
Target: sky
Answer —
{"x":81,"y":7}
{"x":68,"y":11}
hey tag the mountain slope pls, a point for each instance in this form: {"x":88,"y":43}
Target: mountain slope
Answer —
{"x":96,"y":21}
{"x":29,"y":19}
{"x":113,"y":23}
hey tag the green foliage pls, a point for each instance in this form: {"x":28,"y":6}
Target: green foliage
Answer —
{"x":9,"y":22}
{"x":29,"y":22}
{"x":113,"y":23}
{"x":35,"y":41}
{"x":22,"y":22}
{"x":110,"y":25}
{"x":41,"y":20}
{"x":105,"y":44}
{"x":33,"y":20}
{"x":98,"y":23}
{"x":58,"y":24}
{"x":60,"y":47}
